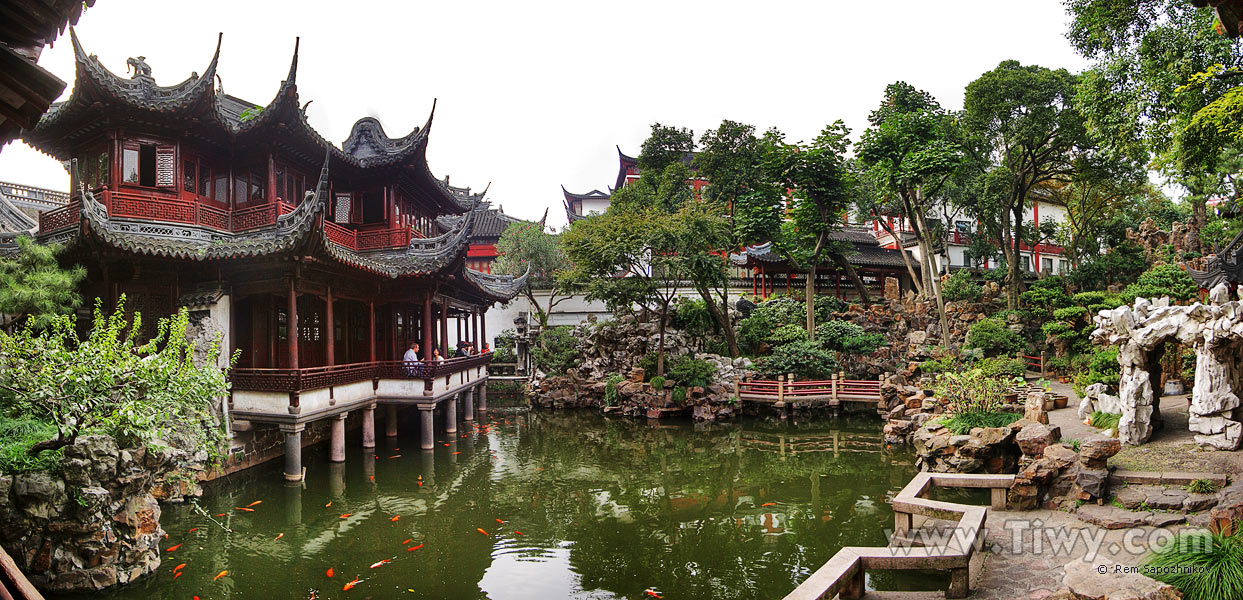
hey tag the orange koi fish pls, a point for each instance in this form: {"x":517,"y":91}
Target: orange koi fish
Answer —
{"x":166,"y":536}
{"x":396,"y":449}
{"x":501,"y":522}
{"x":769,"y":504}
{"x":653,"y":593}
{"x":174,"y":548}
{"x":177,"y":574}
{"x":351,"y":584}
{"x":458,"y":452}
{"x":373,"y":477}
{"x":329,"y":504}
{"x":346,"y":515}
{"x":381,"y":563}
{"x":395,"y":517}
{"x":222,"y":514}
{"x":408,"y":540}
{"x":179,"y":567}
{"x":420,"y":484}
{"x":193,"y":529}
{"x":244,"y":508}
{"x":485,"y":534}
{"x":329,"y":573}
{"x":255,"y":502}
{"x":519,"y":533}
{"x":413,"y":548}
{"x":446,"y":445}
{"x":219,"y":575}
{"x":279,"y":536}
{"x":395,"y":456}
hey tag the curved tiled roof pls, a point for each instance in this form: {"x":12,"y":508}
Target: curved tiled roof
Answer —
{"x":866,"y":251}
{"x":499,"y":288}
{"x":421,"y":257}
{"x":198,"y":100}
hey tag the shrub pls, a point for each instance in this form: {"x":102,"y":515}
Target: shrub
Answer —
{"x":610,"y":389}
{"x":690,"y":371}
{"x":844,"y":336}
{"x":1002,"y":367}
{"x":993,"y":338}
{"x":679,"y":396}
{"x":825,"y":307}
{"x":691,"y":315}
{"x":752,"y":331}
{"x":1202,"y":564}
{"x":1104,"y":420}
{"x":556,"y":350}
{"x":959,"y":286}
{"x":1059,"y":364}
{"x":971,"y":391}
{"x":1089,"y":298}
{"x":1162,"y":280}
{"x":786,"y":334}
{"x":1045,"y":296}
{"x":1070,"y":313}
{"x":804,"y":359}
{"x":16,"y":438}
{"x":1120,"y":264}
{"x":648,"y":364}
{"x":940,"y":365}
{"x":1102,"y":367}
{"x":658,"y":382}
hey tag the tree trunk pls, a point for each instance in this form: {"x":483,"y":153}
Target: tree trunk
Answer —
{"x":1199,"y":214}
{"x":930,"y":265}
{"x":845,"y":265}
{"x":540,"y":315}
{"x":660,"y":347}
{"x":721,"y":314}
{"x":906,"y":258}
{"x":810,"y":299}
{"x":1016,"y":267}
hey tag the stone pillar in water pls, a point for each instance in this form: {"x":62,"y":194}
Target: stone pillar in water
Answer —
{"x":293,"y":503}
{"x":468,"y":406}
{"x":483,"y":398}
{"x":293,"y":452}
{"x":369,"y":464}
{"x":451,"y":415}
{"x":390,"y":420}
{"x":336,"y":447}
{"x":428,"y":462}
{"x":369,"y":427}
{"x":336,"y":480}
{"x":427,"y":439}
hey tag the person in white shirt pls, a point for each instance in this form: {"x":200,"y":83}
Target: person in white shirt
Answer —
{"x":436,"y":357}
{"x":411,"y":358}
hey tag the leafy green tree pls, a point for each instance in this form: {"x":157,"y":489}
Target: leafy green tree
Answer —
{"x":1161,"y":280}
{"x":910,"y":153}
{"x":34,"y":287}
{"x":820,"y":181}
{"x":1023,"y":117}
{"x":135,"y":391}
{"x":526,"y":248}
{"x":1163,"y":86}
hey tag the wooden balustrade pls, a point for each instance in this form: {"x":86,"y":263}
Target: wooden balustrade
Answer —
{"x":60,"y":218}
{"x":784,"y":389}
{"x":310,"y":378}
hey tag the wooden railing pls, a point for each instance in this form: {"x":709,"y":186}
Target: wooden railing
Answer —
{"x":61,"y":218}
{"x":844,"y":574}
{"x":785,"y":389}
{"x":1033,"y":363}
{"x":310,"y":378}
{"x":127,"y":204}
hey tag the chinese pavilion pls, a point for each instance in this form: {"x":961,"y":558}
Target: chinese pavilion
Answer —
{"x":319,"y":265}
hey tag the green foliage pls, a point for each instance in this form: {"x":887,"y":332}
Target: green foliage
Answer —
{"x":1002,"y":367}
{"x":250,"y":113}
{"x":1058,"y":364}
{"x":730,"y":159}
{"x":692,"y":316}
{"x":692,"y":372}
{"x":1104,"y":420}
{"x":1070,"y":313}
{"x":963,"y":423}
{"x":994,"y":338}
{"x":1102,"y":368}
{"x":525,"y":247}
{"x":658,"y":382}
{"x":786,"y":334}
{"x":844,"y":336}
{"x":17,"y":436}
{"x":610,"y":389}
{"x":1044,"y":297}
{"x":940,"y":365}
{"x":1219,"y":231}
{"x":959,"y":286}
{"x":971,"y":392}
{"x":1202,"y":564}
{"x":110,"y":382}
{"x":827,"y":306}
{"x":1075,"y":444}
{"x":1122,"y":263}
{"x":1089,"y":298}
{"x":1202,"y":486}
{"x":1162,"y":280}
{"x":648,"y":364}
{"x":679,"y":396}
{"x":33,"y":284}
{"x":806,"y":360}
{"x":555,"y":350}
{"x":1187,"y":365}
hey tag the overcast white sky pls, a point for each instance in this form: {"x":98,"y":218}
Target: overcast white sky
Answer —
{"x":536,"y":95}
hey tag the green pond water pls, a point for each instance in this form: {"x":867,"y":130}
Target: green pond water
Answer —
{"x":607,"y":508}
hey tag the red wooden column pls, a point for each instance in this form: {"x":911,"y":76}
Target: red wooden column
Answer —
{"x":371,"y":327}
{"x":329,"y":348}
{"x":428,"y":342}
{"x":444,"y":327}
{"x":292,"y":325}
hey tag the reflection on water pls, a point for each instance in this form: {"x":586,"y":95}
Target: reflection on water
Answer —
{"x":545,"y":505}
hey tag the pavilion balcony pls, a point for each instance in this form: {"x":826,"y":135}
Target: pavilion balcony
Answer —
{"x":299,"y":395}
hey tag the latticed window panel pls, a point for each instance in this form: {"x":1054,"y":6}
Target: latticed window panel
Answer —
{"x":341,"y":212}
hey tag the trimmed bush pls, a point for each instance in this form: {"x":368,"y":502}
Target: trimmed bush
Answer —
{"x":1002,"y":367}
{"x":959,"y":286}
{"x":1102,"y":367}
{"x":993,"y":338}
{"x":691,"y":372}
{"x":940,"y":365}
{"x":556,"y":350}
{"x":804,"y":359}
{"x":844,"y":336}
{"x":786,"y":334}
{"x":1162,"y":280}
